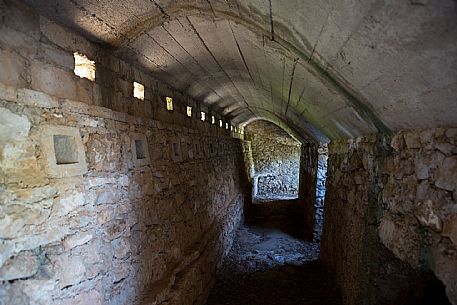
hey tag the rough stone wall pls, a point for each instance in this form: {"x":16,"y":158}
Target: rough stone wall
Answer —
{"x":307,"y":187}
{"x":320,"y":190}
{"x":419,"y":223}
{"x":276,"y":158}
{"x":104,"y":205}
{"x":313,"y":174}
{"x":389,"y":216}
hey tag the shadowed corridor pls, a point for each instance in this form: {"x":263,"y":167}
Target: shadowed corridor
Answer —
{"x":271,"y":264}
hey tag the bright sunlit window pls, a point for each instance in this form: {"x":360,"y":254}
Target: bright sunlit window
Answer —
{"x":138,"y":91}
{"x":169,"y":101}
{"x":213,"y":120}
{"x":84,"y":67}
{"x":189,"y":111}
{"x":226,"y":125}
{"x":203,"y":116}
{"x":220,"y":123}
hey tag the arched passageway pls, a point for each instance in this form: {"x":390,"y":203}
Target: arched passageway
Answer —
{"x":271,"y":262}
{"x":122,"y":173}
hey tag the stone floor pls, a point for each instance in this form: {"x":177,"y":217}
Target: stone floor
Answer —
{"x":269,"y":264}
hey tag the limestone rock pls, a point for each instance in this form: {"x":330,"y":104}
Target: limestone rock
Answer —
{"x":121,"y":247}
{"x":412,"y":140}
{"x":13,"y":126}
{"x":92,"y":297}
{"x":447,"y":174}
{"x":77,"y":240}
{"x":450,"y":228}
{"x":19,"y":267}
{"x":67,"y":203}
{"x":71,"y":270}
{"x":426,"y":216}
{"x":36,"y":98}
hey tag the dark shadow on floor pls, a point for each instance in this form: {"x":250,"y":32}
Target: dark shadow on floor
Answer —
{"x":283,"y":215}
{"x":271,"y":264}
{"x":286,"y":285}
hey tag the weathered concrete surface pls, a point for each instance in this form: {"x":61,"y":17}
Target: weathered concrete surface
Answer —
{"x":338,"y":69}
{"x":390,"y":215}
{"x":276,"y":160}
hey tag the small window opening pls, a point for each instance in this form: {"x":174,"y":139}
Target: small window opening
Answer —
{"x":203,"y":116}
{"x":138,"y":91}
{"x":84,"y":67}
{"x":140,"y":151}
{"x":169,"y":103}
{"x":189,"y":111}
{"x":226,"y":125}
{"x":220,"y":123}
{"x":65,"y":150}
{"x":231,"y":127}
{"x":213,"y":120}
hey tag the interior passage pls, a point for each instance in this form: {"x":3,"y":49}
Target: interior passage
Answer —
{"x":270,"y":263}
{"x":191,"y":152}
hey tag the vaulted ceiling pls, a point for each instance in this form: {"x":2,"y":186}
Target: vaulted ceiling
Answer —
{"x":323,"y":69}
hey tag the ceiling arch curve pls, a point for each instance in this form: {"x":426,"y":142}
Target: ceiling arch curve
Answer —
{"x":328,"y":70}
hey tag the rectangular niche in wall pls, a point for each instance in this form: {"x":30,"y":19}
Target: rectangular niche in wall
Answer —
{"x":197,"y":150}
{"x":175,"y":149}
{"x":63,"y":151}
{"x":140,"y":151}
{"x":189,"y":149}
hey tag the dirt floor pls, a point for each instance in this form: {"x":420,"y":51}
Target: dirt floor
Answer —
{"x":269,"y":263}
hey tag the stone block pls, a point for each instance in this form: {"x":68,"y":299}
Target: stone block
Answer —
{"x":57,"y":57}
{"x":67,"y":203}
{"x":53,"y":81}
{"x":18,"y":42}
{"x":70,"y":270}
{"x":84,"y":91}
{"x":35,"y":98}
{"x":19,"y":267}
{"x":65,"y":38}
{"x":76,"y":240}
{"x":104,"y":152}
{"x":426,"y":215}
{"x":412,"y":140}
{"x":63,"y":151}
{"x":13,"y":70}
{"x":140,"y":149}
{"x":447,"y":174}
{"x":92,"y":297}
{"x":13,"y":127}
{"x":8,"y":93}
{"x":121,"y":247}
{"x":450,"y":228}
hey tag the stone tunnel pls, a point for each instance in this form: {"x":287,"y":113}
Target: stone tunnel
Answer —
{"x":139,"y":138}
